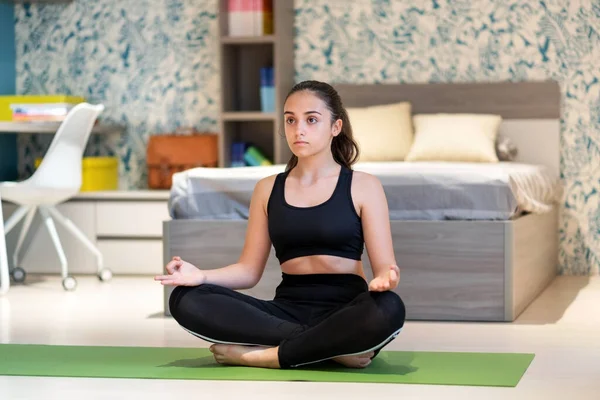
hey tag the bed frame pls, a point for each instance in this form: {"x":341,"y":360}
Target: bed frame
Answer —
{"x":450,"y":270}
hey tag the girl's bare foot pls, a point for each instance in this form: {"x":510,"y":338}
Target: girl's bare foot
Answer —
{"x":357,"y":361}
{"x":249,"y":356}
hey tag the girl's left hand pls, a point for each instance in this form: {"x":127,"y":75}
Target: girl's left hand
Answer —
{"x":388,"y":281}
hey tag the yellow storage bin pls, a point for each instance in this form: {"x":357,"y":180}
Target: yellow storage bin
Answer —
{"x":98,"y":173}
{"x":6,"y":101}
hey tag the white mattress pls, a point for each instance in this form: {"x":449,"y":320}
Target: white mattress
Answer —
{"x":414,"y":190}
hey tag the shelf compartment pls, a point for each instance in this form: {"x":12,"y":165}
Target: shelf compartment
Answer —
{"x":240,"y":76}
{"x":258,"y":133}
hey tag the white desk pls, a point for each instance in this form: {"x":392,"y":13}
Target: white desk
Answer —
{"x":51,"y":127}
{"x":4,"y":273}
{"x":125,"y":225}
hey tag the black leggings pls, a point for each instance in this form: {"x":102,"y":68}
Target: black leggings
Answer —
{"x":312,"y":317}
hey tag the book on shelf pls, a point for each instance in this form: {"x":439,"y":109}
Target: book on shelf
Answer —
{"x":254,"y":157}
{"x":237,"y":154}
{"x":250,"y":17}
{"x":43,"y":112}
{"x":246,"y":154}
{"x":267,"y":89}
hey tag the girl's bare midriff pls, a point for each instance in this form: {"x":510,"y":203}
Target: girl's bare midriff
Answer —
{"x":322,"y":264}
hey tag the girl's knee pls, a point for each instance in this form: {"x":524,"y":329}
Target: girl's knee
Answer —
{"x":175,"y":299}
{"x":391,"y":307}
{"x":177,"y":307}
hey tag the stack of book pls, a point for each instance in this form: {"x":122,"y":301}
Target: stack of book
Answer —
{"x":250,"y":17}
{"x":41,"y":112}
{"x":245,"y":154}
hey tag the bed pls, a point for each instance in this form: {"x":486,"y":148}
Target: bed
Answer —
{"x":475,"y":241}
{"x":414,"y":190}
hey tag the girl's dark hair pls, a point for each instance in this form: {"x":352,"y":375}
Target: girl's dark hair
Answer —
{"x":343,"y":147}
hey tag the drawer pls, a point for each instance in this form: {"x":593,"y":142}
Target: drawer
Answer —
{"x":131,"y":219}
{"x":132,"y":256}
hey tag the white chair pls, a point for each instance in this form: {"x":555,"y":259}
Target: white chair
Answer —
{"x":57,"y":179}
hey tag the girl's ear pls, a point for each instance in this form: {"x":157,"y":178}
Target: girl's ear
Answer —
{"x":336,"y":129}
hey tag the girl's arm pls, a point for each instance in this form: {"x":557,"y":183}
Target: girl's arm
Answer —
{"x":370,"y":196}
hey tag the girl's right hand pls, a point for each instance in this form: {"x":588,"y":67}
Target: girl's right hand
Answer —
{"x":181,"y":273}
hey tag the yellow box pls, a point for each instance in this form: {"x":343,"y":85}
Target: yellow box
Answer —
{"x":6,"y":101}
{"x":98,"y":173}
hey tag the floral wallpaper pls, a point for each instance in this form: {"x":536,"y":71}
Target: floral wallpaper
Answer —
{"x":154,"y":63}
{"x":381,"y":41}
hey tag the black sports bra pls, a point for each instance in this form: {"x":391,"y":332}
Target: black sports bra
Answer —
{"x":330,"y":228}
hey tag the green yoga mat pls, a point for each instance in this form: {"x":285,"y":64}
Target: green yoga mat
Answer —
{"x":444,"y":368}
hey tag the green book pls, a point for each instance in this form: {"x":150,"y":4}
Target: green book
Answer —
{"x":256,"y":157}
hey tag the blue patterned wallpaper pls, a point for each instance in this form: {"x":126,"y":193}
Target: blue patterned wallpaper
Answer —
{"x":151,"y":62}
{"x":154,"y":64}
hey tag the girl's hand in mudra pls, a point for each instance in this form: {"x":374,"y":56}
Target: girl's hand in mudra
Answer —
{"x":388,"y":281}
{"x":181,"y":273}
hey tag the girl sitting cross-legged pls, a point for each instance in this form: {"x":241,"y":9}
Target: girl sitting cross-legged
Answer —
{"x":318,"y":215}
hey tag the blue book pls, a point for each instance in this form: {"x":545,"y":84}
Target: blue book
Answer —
{"x":267,"y":89}
{"x":265,"y":76}
{"x":237,"y":154}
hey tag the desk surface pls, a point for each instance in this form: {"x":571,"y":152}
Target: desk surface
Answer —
{"x":50,"y":127}
{"x":124,"y":195}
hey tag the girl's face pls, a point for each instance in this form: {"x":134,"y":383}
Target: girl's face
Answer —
{"x":308,"y":127}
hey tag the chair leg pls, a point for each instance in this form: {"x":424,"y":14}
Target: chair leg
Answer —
{"x":23,"y":234}
{"x":71,"y":227}
{"x":14,"y":219}
{"x":56,"y":241}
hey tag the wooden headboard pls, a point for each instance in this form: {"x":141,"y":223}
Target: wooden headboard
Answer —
{"x":530,"y":110}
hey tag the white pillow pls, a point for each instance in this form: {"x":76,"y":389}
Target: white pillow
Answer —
{"x":455,"y":137}
{"x":383,"y":132}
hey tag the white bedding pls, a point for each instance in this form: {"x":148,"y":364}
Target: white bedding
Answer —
{"x":414,"y":190}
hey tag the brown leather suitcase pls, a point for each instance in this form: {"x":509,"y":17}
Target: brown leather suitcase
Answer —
{"x":170,"y":153}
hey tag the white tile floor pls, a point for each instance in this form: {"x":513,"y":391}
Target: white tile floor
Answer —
{"x":562,"y":328}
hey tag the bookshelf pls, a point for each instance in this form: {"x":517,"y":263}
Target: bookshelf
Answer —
{"x":241,"y":60}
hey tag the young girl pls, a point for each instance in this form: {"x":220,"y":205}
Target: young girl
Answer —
{"x":317,"y":214}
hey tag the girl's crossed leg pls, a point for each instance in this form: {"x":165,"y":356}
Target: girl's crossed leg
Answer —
{"x":284,"y":334}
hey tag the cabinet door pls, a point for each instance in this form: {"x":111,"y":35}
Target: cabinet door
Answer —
{"x":131,"y":219}
{"x":132,"y":256}
{"x":38,"y":254}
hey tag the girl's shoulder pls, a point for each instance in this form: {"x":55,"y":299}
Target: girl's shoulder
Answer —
{"x":364,"y":180}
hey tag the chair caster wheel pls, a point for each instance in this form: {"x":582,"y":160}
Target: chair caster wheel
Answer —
{"x":18,"y":274}
{"x":69,"y":283}
{"x":105,"y":275}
